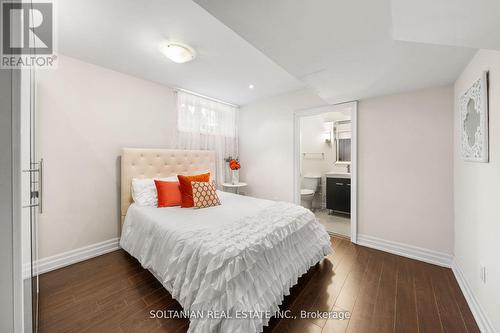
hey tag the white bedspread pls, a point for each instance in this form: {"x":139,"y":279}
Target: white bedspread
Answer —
{"x":240,"y":257}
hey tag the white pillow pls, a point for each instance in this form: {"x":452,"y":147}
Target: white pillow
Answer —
{"x":144,"y":190}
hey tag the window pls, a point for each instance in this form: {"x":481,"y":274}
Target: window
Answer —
{"x":204,"y":124}
{"x":200,"y":115}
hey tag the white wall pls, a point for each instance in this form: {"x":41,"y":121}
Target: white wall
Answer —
{"x":266,"y":143}
{"x":477,"y":194}
{"x":86,"y":114}
{"x":405,"y":162}
{"x":312,"y":143}
{"x":404,"y":166}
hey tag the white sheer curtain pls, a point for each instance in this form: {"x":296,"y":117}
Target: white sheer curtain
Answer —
{"x":207,"y":125}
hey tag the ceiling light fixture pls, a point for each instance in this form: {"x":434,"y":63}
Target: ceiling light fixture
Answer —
{"x":177,"y":52}
{"x":251,"y":86}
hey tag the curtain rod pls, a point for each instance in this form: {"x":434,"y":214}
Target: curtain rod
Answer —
{"x":206,"y":97}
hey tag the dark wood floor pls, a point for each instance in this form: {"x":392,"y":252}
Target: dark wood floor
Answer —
{"x":381,"y":291}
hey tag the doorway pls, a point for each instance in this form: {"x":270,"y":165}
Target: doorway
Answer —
{"x":325,"y":166}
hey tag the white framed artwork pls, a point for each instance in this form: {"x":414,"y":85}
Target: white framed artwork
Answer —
{"x":473,"y":105}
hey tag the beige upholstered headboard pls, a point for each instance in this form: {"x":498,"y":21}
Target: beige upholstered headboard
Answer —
{"x":159,"y":163}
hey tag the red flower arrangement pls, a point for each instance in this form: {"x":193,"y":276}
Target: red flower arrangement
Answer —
{"x":234,"y":164}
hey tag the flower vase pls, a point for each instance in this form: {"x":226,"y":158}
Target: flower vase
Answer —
{"x":235,"y":177}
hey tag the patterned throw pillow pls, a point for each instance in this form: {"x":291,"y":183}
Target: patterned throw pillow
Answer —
{"x":205,"y":194}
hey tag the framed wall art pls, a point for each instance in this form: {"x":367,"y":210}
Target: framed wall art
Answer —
{"x":473,"y":106}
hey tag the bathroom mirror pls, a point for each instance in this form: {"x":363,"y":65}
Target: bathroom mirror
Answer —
{"x":342,"y":140}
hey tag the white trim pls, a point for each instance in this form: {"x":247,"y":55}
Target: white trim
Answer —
{"x":72,"y":257}
{"x":354,"y":167}
{"x":482,"y":320}
{"x":414,"y":252}
{"x":405,"y":250}
{"x":437,"y":258}
{"x":354,"y":173}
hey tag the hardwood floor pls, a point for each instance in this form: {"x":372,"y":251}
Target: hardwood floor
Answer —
{"x":382,"y":293}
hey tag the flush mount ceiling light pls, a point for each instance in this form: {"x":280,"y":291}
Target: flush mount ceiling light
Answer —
{"x":177,"y":52}
{"x":251,"y":86}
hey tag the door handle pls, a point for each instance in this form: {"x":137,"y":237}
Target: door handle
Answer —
{"x":40,"y":186}
{"x":31,"y":170}
{"x":340,"y":184}
{"x":31,"y":206}
{"x":38,"y":194}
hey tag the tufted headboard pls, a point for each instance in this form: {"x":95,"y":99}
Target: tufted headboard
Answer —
{"x":159,"y":163}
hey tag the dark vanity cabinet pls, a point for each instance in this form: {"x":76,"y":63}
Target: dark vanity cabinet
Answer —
{"x":338,"y":195}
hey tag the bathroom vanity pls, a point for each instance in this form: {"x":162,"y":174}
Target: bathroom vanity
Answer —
{"x":338,"y":192}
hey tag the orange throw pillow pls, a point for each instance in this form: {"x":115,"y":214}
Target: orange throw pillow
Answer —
{"x":187,"y":189}
{"x":169,"y":193}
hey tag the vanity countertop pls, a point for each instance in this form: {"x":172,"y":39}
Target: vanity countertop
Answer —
{"x":337,"y":175}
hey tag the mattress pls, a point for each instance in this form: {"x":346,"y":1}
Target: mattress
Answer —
{"x":237,"y":260}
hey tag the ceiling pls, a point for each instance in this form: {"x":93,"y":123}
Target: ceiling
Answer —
{"x":343,"y":50}
{"x":448,"y":22}
{"x":123,"y":35}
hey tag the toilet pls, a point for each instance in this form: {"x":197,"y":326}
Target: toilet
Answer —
{"x":308,"y":189}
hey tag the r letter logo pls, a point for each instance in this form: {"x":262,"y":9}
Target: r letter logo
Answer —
{"x":27,"y":34}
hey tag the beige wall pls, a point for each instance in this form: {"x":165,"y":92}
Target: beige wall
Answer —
{"x":404,"y":165}
{"x":86,"y":114}
{"x":477,"y":194}
{"x":405,"y":161}
{"x":266,"y":144}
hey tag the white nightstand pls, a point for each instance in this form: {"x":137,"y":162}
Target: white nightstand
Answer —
{"x":234,"y":187}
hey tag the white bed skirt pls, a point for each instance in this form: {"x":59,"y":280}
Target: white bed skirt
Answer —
{"x":245,"y":267}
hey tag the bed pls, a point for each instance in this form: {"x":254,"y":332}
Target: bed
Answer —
{"x":229,"y":266}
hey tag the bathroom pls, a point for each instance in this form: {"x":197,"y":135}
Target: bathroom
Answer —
{"x":325,"y":163}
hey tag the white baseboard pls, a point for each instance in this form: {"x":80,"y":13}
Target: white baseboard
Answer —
{"x":71,"y":257}
{"x":437,"y":258}
{"x":414,"y":252}
{"x":482,"y":320}
{"x":405,"y":250}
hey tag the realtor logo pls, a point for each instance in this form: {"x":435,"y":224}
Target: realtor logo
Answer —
{"x":27,"y":34}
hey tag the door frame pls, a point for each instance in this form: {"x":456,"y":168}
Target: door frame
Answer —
{"x":25,"y":141}
{"x":298,"y":114}
{"x":17,"y":204}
